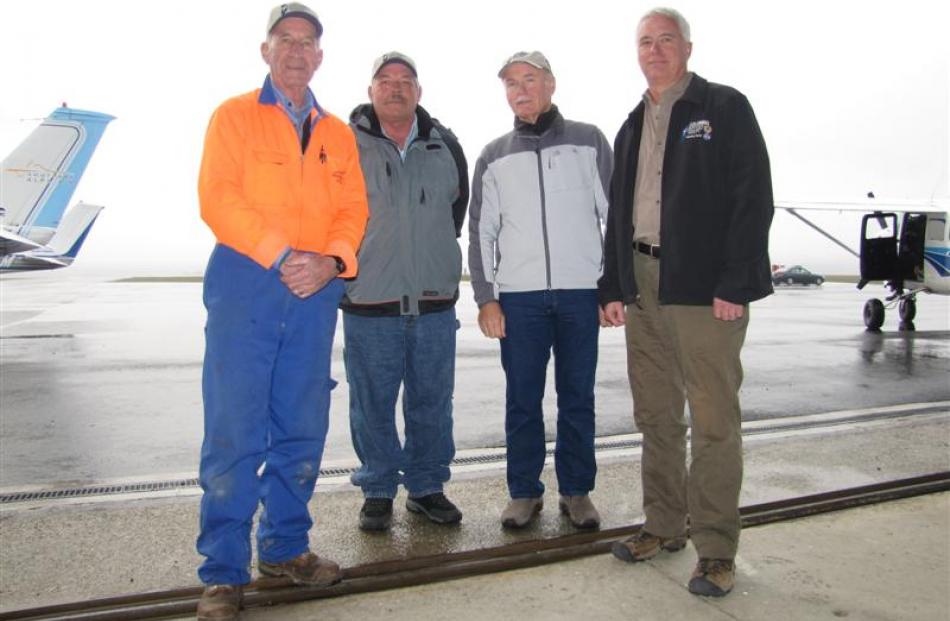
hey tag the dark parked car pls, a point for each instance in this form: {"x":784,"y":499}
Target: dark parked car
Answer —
{"x":796,"y":275}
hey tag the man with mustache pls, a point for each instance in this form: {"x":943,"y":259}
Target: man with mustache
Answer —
{"x":399,"y":313}
{"x":281,"y":189}
{"x":535,"y":253}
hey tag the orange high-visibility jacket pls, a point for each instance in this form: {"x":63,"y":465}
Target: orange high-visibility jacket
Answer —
{"x":261,"y":195}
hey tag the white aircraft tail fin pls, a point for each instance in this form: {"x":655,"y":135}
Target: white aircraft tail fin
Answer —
{"x":38,"y":180}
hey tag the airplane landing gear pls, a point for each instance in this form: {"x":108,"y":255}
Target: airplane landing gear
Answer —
{"x":907,"y":308}
{"x":874,"y":314}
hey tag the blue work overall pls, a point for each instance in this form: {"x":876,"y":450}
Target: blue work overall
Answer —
{"x":266,"y":386}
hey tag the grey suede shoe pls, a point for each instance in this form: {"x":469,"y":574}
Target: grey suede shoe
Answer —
{"x":580,"y":510}
{"x":520,"y":512}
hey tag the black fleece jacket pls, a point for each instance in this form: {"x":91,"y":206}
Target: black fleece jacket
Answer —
{"x":716,"y":203}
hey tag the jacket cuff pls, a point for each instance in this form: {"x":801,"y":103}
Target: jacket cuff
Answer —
{"x":343,"y":250}
{"x":282,"y":257}
{"x":269,"y":249}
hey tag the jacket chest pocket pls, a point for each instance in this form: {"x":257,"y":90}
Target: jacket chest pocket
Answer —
{"x":564,"y":169}
{"x":378,"y":174}
{"x":268,"y":176}
{"x":437,"y":180}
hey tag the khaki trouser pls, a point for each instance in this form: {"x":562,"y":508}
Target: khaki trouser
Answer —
{"x":675,"y":354}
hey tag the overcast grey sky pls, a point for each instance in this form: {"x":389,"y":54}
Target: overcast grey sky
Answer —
{"x":851,"y":96}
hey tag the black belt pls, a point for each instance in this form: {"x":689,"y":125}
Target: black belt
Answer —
{"x":653,"y":251}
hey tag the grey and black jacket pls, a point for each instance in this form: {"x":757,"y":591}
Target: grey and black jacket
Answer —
{"x":410,"y":261}
{"x":539,"y":199}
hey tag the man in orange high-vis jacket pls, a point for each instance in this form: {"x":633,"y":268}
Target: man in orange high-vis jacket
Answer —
{"x":281,"y":188}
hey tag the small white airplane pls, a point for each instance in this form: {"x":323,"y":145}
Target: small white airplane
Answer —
{"x":38,"y":180}
{"x":910,"y":259}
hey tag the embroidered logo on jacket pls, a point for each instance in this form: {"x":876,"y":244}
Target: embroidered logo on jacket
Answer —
{"x":697,"y":129}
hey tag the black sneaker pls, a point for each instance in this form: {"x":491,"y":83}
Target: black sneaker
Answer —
{"x":436,"y":507}
{"x":376,"y":514}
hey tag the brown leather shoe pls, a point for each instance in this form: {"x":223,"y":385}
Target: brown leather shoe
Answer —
{"x":220,"y":602}
{"x":580,"y":510}
{"x":644,"y":545}
{"x":308,"y":569}
{"x":713,"y":577}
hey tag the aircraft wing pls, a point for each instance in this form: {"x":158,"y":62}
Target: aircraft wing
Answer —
{"x":865,"y":205}
{"x":28,"y":263}
{"x":870,"y":204}
{"x":11,"y":243}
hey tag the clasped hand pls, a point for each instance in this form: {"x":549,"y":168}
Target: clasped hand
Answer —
{"x":305,"y":273}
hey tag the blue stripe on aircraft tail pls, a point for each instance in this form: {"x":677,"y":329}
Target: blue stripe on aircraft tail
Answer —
{"x":74,"y":250}
{"x":94,"y":124}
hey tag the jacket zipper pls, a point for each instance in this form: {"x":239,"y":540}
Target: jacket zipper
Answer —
{"x":301,"y":175}
{"x":544,"y":216}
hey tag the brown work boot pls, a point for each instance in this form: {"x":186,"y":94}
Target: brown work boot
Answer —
{"x":520,"y":512}
{"x":580,"y":510}
{"x":713,"y":577}
{"x":220,"y":602}
{"x":308,"y":569}
{"x":644,"y":545}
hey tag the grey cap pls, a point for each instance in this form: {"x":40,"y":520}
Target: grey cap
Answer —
{"x":535,"y":59}
{"x":293,"y":9}
{"x":394,"y":57}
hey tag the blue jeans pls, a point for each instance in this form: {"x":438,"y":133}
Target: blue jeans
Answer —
{"x":417,"y":352}
{"x":266,"y":387}
{"x":535,"y":322}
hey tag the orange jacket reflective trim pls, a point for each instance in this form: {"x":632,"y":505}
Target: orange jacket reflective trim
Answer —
{"x":260,"y":195}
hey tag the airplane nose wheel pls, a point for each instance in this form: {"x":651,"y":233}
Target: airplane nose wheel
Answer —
{"x":874,"y":314}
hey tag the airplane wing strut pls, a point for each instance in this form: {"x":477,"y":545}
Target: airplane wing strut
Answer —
{"x":821,"y":230}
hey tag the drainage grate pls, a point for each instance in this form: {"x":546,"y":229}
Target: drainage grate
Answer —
{"x":488,"y":458}
{"x":39,"y":336}
{"x":485,"y":458}
{"x":163,"y":486}
{"x":98,"y":490}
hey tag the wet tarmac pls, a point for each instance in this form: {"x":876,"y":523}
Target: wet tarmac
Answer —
{"x":100,"y":379}
{"x":100,"y":382}
{"x":884,"y":562}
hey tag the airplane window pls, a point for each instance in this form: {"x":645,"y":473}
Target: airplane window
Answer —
{"x":879,"y":228}
{"x":936,"y":228}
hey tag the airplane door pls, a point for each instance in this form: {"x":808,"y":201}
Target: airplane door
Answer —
{"x":911,"y":250}
{"x":878,"y":247}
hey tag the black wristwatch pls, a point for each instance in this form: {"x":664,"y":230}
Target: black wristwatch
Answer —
{"x":340,"y":265}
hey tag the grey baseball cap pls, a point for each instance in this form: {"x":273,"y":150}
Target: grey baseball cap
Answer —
{"x":535,"y":59}
{"x":394,"y":57}
{"x":293,"y":9}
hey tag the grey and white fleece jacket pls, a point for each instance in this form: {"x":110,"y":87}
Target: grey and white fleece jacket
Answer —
{"x":539,"y":201}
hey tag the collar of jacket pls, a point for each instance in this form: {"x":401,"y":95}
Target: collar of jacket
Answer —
{"x":551,"y":119}
{"x":364,"y":117}
{"x":269,"y":98}
{"x":695,"y":93}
